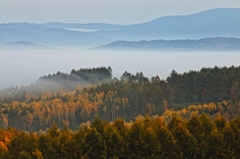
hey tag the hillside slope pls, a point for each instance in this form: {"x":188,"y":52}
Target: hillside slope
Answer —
{"x":206,"y":44}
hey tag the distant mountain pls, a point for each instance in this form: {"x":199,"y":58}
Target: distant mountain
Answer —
{"x":206,"y":44}
{"x":23,"y":45}
{"x":56,"y":37}
{"x":210,"y":23}
{"x":221,"y":22}
{"x":207,"y":19}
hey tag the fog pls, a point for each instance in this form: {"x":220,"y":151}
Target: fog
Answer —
{"x":26,"y":66}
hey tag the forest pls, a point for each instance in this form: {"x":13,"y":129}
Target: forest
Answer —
{"x":147,"y":137}
{"x":208,"y":84}
{"x":189,"y":115}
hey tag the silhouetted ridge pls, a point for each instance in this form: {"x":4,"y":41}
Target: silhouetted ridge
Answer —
{"x":89,"y":75}
{"x":209,"y":44}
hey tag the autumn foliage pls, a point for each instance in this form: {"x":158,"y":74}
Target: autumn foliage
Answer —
{"x":187,"y":116}
{"x":146,"y":137}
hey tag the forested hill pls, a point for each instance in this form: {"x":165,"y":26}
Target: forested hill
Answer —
{"x":198,"y":137}
{"x":208,"y":84}
{"x":206,"y":44}
{"x":81,"y":77}
{"x":27,"y":108}
{"x":69,"y":81}
{"x":90,"y":75}
{"x":125,"y":98}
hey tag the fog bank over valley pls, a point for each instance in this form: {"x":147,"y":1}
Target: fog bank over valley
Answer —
{"x":207,"y":38}
{"x":23,"y":67}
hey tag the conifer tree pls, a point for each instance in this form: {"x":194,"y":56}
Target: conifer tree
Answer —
{"x":94,"y":146}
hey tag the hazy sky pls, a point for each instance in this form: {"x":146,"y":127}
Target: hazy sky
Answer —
{"x":110,"y":11}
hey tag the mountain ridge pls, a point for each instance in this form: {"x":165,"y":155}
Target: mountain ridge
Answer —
{"x":54,"y":37}
{"x":220,"y":22}
{"x":211,"y":44}
{"x":24,"y":45}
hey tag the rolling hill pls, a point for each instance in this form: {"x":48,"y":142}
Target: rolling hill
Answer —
{"x":56,"y":37}
{"x":206,"y":44}
{"x":210,"y":23}
{"x":23,"y":45}
{"x":221,"y":22}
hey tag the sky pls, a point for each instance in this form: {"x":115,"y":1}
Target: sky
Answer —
{"x":106,"y":11}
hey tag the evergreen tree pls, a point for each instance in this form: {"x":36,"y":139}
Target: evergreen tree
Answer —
{"x":94,"y":146}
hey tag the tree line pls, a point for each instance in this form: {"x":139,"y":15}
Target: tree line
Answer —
{"x":126,"y":97}
{"x":59,"y":124}
{"x":119,"y":98}
{"x":147,"y":137}
{"x":206,"y":85}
